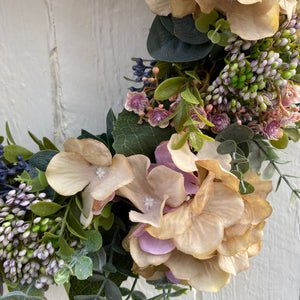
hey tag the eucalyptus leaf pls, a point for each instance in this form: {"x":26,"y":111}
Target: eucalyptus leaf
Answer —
{"x":83,"y":268}
{"x":137,"y":295}
{"x":109,"y":267}
{"x":164,"y":45}
{"x":268,"y":172}
{"x":44,"y":209}
{"x":246,"y":187}
{"x":41,"y":159}
{"x":292,"y":133}
{"x":99,"y":259}
{"x":93,"y":242}
{"x":112,"y":291}
{"x":227,"y":147}
{"x":12,"y":151}
{"x":16,"y":295}
{"x":238,"y":133}
{"x":62,"y":275}
{"x":169,"y":88}
{"x":88,"y":297}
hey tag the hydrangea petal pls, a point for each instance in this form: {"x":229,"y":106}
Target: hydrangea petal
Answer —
{"x":159,"y":7}
{"x":68,"y":173}
{"x":254,"y":249}
{"x":234,"y":264}
{"x":151,"y":272}
{"x":288,"y":7}
{"x":166,"y":181}
{"x":144,"y":259}
{"x":204,"y":235}
{"x":151,"y":245}
{"x":92,"y":150}
{"x":211,"y":278}
{"x":225,"y":203}
{"x":172,"y":278}
{"x":99,"y":205}
{"x":173,"y":223}
{"x":162,"y":154}
{"x":114,"y":177}
{"x":182,"y":8}
{"x":87,"y":203}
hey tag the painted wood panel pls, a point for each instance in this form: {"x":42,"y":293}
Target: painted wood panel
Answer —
{"x":62,"y":68}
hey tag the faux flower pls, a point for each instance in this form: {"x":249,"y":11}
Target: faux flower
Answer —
{"x":291,"y":95}
{"x":151,"y":191}
{"x":87,"y":165}
{"x":157,"y":115}
{"x":207,"y":238}
{"x":221,"y":121}
{"x":272,"y":130}
{"x":250,"y":19}
{"x":136,"y":101}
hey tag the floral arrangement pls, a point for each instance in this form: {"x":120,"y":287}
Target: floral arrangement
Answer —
{"x":172,"y":192}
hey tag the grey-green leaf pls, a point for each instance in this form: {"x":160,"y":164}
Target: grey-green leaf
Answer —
{"x":112,"y":291}
{"x":83,"y":268}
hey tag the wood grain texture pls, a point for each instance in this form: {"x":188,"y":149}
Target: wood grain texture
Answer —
{"x":62,"y":68}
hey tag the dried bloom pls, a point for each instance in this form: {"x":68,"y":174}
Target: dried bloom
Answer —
{"x":88,"y":165}
{"x":136,"y":101}
{"x":204,"y":240}
{"x":250,"y":19}
{"x":272,"y":130}
{"x":290,"y":120}
{"x":157,"y":115}
{"x":221,"y":121}
{"x":290,"y":95}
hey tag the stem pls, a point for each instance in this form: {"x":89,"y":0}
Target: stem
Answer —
{"x":272,"y":161}
{"x":132,"y":288}
{"x":102,"y":287}
{"x":64,"y":221}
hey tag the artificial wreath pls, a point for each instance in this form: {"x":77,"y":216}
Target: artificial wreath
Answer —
{"x":172,"y":192}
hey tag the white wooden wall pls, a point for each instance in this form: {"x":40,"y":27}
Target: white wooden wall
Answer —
{"x":62,"y":64}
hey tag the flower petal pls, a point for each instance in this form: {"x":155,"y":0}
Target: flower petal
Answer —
{"x":225,"y":203}
{"x":183,"y":158}
{"x":99,"y":205}
{"x":162,"y":154}
{"x":211,"y":278}
{"x":182,"y":8}
{"x":254,"y":249}
{"x":226,"y":177}
{"x":164,"y":180}
{"x":173,"y":223}
{"x":151,"y":272}
{"x":159,"y":7}
{"x":87,"y":203}
{"x":68,"y":173}
{"x":92,"y":150}
{"x":114,"y":177}
{"x":203,"y":236}
{"x":144,"y":259}
{"x":234,"y":264}
{"x":151,"y":245}
{"x":288,"y":7}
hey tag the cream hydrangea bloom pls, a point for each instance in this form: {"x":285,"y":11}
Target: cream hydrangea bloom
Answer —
{"x":250,"y":19}
{"x":88,"y":165}
{"x":209,"y":237}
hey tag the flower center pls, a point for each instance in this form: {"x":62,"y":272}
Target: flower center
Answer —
{"x":100,"y":172}
{"x":149,"y":202}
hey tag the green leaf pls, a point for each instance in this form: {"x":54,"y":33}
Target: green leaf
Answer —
{"x":189,"y":97}
{"x":124,"y":291}
{"x":37,"y":140}
{"x":246,"y":187}
{"x":12,"y":151}
{"x":49,"y":145}
{"x":62,"y":275}
{"x":202,"y":23}
{"x":268,"y":171}
{"x":87,"y":135}
{"x":214,"y":36}
{"x":83,"y":287}
{"x":17,"y":295}
{"x":196,"y":141}
{"x":227,"y":147}
{"x":109,"y":267}
{"x":237,"y":133}
{"x":44,"y":209}
{"x":163,"y":44}
{"x":106,"y":211}
{"x":8,"y":134}
{"x":169,"y":88}
{"x":181,"y":141}
{"x":281,"y":143}
{"x":65,"y":249}
{"x":181,"y":117}
{"x":93,"y":242}
{"x":41,"y":159}
{"x":75,"y":226}
{"x":88,"y":297}
{"x":137,"y":295}
{"x":99,"y":259}
{"x":205,"y":121}
{"x":133,"y":138}
{"x":42,"y":178}
{"x":1,"y":139}
{"x":194,"y":75}
{"x":112,"y":291}
{"x":83,"y":268}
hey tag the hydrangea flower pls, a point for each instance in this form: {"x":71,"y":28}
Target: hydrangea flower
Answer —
{"x":87,"y":165}
{"x":250,"y":19}
{"x":136,"y":101}
{"x":205,"y":239}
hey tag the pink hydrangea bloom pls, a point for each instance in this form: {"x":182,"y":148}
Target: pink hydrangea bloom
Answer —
{"x":157,"y":115}
{"x":221,"y":121}
{"x":136,"y":101}
{"x":272,"y":130}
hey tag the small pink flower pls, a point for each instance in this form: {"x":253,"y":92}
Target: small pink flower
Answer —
{"x":290,"y":120}
{"x":272,"y":130}
{"x":136,"y":102}
{"x":221,"y":121}
{"x":157,"y":115}
{"x":291,"y":95}
{"x":195,"y":117}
